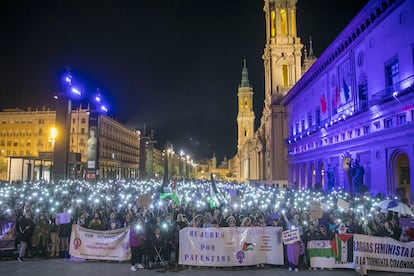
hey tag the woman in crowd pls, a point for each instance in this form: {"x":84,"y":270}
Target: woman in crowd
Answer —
{"x":96,"y":223}
{"x":136,"y":242}
{"x":25,"y":227}
{"x":40,"y":238}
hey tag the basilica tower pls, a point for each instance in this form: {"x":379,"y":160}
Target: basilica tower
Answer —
{"x":245,"y":117}
{"x":282,"y":64}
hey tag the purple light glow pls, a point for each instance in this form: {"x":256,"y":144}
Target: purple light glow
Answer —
{"x":68,"y":79}
{"x":76,"y":91}
{"x":103,"y":108}
{"x":98,"y":99}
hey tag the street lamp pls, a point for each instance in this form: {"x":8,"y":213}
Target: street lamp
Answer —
{"x":61,"y":149}
{"x":52,"y":138}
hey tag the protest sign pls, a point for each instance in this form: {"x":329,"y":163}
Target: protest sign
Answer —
{"x":231,"y":246}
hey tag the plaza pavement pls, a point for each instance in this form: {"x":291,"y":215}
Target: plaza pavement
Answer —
{"x":64,"y":267}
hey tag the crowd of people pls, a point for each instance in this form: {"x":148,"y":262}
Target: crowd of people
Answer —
{"x":155,"y":222}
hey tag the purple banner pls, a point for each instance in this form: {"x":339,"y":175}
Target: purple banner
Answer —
{"x":7,"y":234}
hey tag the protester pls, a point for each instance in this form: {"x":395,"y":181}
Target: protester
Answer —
{"x":40,"y":238}
{"x":25,"y":227}
{"x":112,"y":205}
{"x":136,"y":242}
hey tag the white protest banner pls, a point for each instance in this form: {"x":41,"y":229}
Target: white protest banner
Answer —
{"x":62,"y":218}
{"x":383,"y":254}
{"x":231,"y":246}
{"x":291,"y":236}
{"x":100,"y":245}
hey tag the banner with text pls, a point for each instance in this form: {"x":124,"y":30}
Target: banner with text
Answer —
{"x":100,"y":245}
{"x":291,"y":236}
{"x":383,"y":253}
{"x":231,"y":246}
{"x":7,"y":234}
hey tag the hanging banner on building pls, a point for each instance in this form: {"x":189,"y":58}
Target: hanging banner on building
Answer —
{"x":92,"y":147}
{"x":7,"y":235}
{"x":231,"y":246}
{"x":100,"y":245}
{"x":383,"y":254}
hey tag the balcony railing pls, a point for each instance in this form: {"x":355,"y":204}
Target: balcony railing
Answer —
{"x":396,"y":90}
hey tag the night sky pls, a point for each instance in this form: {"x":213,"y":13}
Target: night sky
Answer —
{"x":173,"y":66}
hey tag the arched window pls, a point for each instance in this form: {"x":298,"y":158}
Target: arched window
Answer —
{"x":283,"y":22}
{"x":285,"y":75}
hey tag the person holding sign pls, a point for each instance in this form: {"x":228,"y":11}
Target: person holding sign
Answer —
{"x":294,"y":245}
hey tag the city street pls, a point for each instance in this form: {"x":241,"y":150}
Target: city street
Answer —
{"x":62,"y":267}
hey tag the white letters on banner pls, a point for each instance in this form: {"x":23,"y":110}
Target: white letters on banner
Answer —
{"x":231,"y":246}
{"x":369,"y":252}
{"x":291,"y":236}
{"x":100,"y":245}
{"x":383,"y":254}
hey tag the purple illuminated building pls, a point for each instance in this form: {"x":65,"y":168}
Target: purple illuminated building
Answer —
{"x":350,"y":118}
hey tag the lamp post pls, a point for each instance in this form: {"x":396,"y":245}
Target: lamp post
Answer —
{"x":63,"y":119}
{"x":52,"y":138}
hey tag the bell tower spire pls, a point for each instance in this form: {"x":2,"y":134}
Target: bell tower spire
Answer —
{"x":245,"y":117}
{"x":282,"y":66}
{"x":282,"y":53}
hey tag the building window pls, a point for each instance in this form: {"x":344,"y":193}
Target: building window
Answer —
{"x":388,"y":123}
{"x":318,"y":116}
{"x":367,"y":130}
{"x":402,"y":119}
{"x":377,"y":125}
{"x":358,"y":132}
{"x":350,"y":134}
{"x":336,"y":138}
{"x":363,"y":96}
{"x":82,"y":131}
{"x":391,"y":76}
{"x":73,"y":121}
{"x":40,"y":131}
{"x":283,"y":22}
{"x":303,"y":124}
{"x":310,"y":122}
{"x":297,"y":127}
{"x":83,"y":120}
{"x":343,"y":136}
{"x":285,"y":75}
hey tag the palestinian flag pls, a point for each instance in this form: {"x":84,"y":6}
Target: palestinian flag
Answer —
{"x":320,"y":248}
{"x":342,"y":247}
{"x":171,"y":193}
{"x":215,"y":195}
{"x":213,"y":198}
